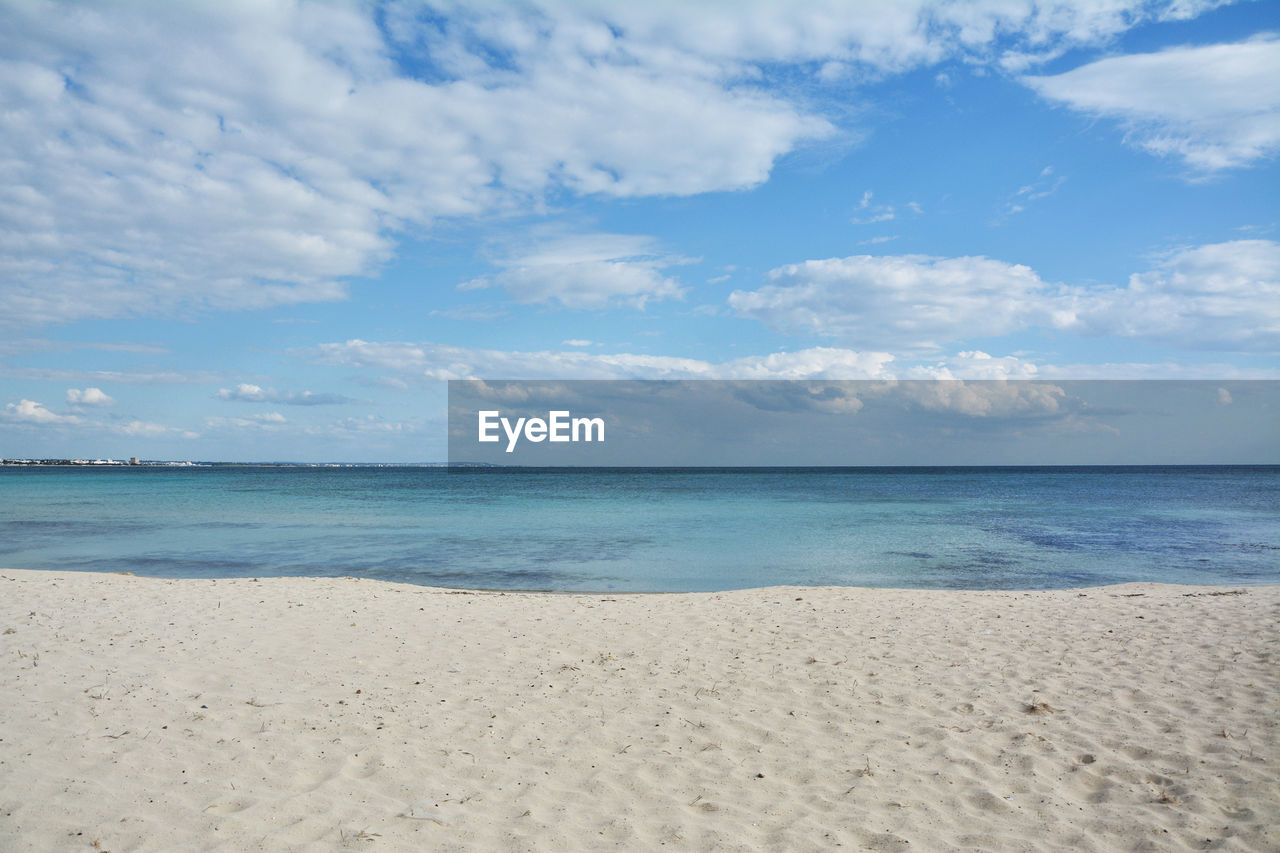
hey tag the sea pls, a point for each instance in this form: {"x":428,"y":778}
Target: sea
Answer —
{"x":652,"y":530}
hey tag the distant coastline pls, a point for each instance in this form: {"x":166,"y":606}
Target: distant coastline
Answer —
{"x":718,"y":469}
{"x":88,"y":462}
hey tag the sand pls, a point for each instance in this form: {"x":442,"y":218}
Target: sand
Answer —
{"x":329,"y":714}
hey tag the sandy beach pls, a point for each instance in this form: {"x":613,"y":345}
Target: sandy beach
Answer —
{"x":321,"y":714}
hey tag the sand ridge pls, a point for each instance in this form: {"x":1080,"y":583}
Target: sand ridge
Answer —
{"x":320,"y":714}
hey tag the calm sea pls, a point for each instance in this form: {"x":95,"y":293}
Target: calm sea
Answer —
{"x":653,"y":530}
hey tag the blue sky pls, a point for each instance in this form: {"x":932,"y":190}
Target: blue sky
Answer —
{"x":262,"y":230}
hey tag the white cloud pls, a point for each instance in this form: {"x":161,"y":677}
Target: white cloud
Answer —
{"x":1220,"y":296}
{"x":243,"y":155}
{"x":1223,"y":296}
{"x":1216,"y":106}
{"x":89,"y":397}
{"x":402,"y":364}
{"x":811,"y":363}
{"x":438,"y":362}
{"x":975,"y":364}
{"x":32,"y":412}
{"x":587,"y":271}
{"x":180,"y":157}
{"x":249,"y":393}
{"x":244,"y":391}
{"x":872,"y":214}
{"x":888,"y":37}
{"x":898,"y":302}
{"x":577,"y":342}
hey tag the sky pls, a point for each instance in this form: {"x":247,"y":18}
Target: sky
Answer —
{"x":274,"y":230}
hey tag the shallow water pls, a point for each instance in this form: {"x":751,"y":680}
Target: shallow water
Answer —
{"x":653,"y":530}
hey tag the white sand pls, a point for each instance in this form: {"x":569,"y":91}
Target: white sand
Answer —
{"x":305,"y":714}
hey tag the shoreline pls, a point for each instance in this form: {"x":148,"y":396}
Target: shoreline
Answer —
{"x":150,"y":713}
{"x":1210,"y":588}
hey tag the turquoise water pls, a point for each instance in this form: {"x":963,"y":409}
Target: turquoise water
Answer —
{"x":649,"y":530}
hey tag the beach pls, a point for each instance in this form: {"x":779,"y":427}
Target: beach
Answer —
{"x":318,"y":714}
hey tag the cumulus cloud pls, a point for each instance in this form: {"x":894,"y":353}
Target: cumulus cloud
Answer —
{"x":33,"y":412}
{"x":975,"y":364}
{"x":243,"y":155}
{"x":899,"y":302}
{"x":89,"y":397}
{"x":248,"y":393}
{"x":1223,"y":296}
{"x":1215,"y":107}
{"x":177,"y":158}
{"x":587,"y":271}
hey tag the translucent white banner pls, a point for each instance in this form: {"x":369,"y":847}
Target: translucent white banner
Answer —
{"x":818,"y":423}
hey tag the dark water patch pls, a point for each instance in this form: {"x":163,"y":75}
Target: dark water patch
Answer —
{"x":541,"y":549}
{"x":18,"y":530}
{"x":1143,"y":534}
{"x":1056,"y":541}
{"x":989,"y":559}
{"x":162,"y":566}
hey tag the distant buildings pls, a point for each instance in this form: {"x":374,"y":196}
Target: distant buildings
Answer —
{"x":133,"y":460}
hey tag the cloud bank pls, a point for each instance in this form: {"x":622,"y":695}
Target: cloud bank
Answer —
{"x":181,"y":158}
{"x":1223,"y":296}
